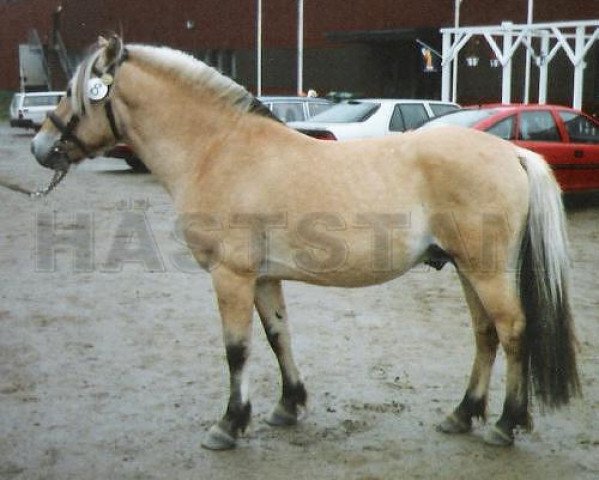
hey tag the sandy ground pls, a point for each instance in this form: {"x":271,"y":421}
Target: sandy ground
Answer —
{"x":115,"y":369}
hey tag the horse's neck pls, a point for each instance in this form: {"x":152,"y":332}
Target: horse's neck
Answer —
{"x":172,"y":129}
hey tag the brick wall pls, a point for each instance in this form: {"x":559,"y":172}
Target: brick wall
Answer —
{"x":200,"y":25}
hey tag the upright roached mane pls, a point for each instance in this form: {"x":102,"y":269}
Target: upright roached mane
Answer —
{"x":249,"y":184}
{"x":186,"y":69}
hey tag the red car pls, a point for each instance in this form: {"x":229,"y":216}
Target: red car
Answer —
{"x":567,"y":138}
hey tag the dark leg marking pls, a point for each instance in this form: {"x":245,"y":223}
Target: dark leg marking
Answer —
{"x":237,"y":418}
{"x":274,"y":340}
{"x":460,"y":421}
{"x":236,"y":357}
{"x":238,"y":414}
{"x":294,"y":395}
{"x":515,"y":414}
{"x":471,"y":407}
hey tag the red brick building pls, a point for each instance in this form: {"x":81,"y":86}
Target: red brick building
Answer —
{"x":363,"y":46}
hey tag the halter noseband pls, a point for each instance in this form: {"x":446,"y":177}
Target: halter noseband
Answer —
{"x":67,"y":129}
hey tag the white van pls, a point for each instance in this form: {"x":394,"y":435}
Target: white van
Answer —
{"x":29,"y":109}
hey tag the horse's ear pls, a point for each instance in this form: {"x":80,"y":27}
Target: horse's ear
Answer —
{"x":102,"y":41}
{"x":114,"y":48}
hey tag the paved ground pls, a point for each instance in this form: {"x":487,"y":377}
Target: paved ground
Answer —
{"x":112,"y":366}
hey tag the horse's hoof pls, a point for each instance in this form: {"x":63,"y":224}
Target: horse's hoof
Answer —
{"x":498,"y":438}
{"x":453,"y":424}
{"x":218,"y":439}
{"x":281,"y":418}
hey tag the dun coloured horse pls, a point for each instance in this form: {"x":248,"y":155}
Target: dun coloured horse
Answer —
{"x":260,"y":203}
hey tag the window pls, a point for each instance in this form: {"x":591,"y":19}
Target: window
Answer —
{"x":464,"y":118}
{"x":315,"y":108}
{"x":440,"y":109}
{"x":348,"y":112}
{"x":407,"y":116}
{"x":15,"y":102}
{"x":538,"y":126}
{"x":41,"y":100}
{"x":503,"y":129}
{"x":580,"y":129}
{"x":225,"y":61}
{"x":288,"y":112}
{"x":396,"y":124}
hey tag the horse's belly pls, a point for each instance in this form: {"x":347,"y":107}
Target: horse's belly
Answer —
{"x":348,"y":277}
{"x":343,"y":260}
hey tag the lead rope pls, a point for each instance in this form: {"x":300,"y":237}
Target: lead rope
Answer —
{"x":56,"y":179}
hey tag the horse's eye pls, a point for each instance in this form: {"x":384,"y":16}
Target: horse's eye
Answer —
{"x":69,"y":92}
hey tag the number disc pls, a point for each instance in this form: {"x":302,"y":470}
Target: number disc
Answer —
{"x":96,"y":89}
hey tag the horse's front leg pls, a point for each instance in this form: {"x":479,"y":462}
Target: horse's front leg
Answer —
{"x":271,"y":308}
{"x":235,"y":294}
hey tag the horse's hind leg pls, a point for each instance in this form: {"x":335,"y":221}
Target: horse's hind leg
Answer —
{"x":235,"y":294}
{"x":497,"y":294}
{"x":271,"y":308}
{"x":474,"y":403}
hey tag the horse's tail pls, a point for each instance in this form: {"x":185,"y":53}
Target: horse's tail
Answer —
{"x":543,"y":285}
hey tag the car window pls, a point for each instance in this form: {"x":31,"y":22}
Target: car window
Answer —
{"x":15,"y":102}
{"x":288,"y":112}
{"x":396,"y":124}
{"x":580,"y":129}
{"x":440,"y":109}
{"x":414,"y":115}
{"x":503,"y":129}
{"x":314,"y":108}
{"x":346,"y":112}
{"x":538,"y":126}
{"x":41,"y":100}
{"x":463,"y":118}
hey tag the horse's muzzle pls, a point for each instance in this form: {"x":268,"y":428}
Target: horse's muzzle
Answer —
{"x":49,"y":151}
{"x":57,"y":159}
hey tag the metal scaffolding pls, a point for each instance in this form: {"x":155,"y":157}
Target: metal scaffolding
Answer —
{"x":542,"y":40}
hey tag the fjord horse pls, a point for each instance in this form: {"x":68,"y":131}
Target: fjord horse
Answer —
{"x":260,"y":203}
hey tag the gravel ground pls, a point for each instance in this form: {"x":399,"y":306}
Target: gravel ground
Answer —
{"x":112,"y":365}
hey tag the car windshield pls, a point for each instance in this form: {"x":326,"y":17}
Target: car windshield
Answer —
{"x":464,"y":118}
{"x":347,"y":112}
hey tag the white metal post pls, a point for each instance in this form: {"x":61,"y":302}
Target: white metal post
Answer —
{"x":446,"y":68}
{"x":528,"y":52}
{"x":506,"y":77}
{"x":259,"y":48}
{"x":300,"y":47}
{"x":454,"y":70}
{"x":578,"y":68}
{"x":543,"y":68}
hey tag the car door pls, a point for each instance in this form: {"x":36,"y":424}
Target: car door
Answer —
{"x":538,"y":131}
{"x":583,"y":140}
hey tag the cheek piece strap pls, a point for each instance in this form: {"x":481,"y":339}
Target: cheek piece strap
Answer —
{"x":67,"y":134}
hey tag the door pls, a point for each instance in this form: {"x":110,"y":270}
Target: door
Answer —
{"x":538,"y":131}
{"x":583,"y":140}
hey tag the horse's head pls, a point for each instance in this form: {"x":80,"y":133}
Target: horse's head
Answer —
{"x":83,"y":122}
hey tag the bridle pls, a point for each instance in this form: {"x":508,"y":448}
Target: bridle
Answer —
{"x":67,"y":130}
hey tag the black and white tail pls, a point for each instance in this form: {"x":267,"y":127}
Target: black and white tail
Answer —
{"x":543,"y":283}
